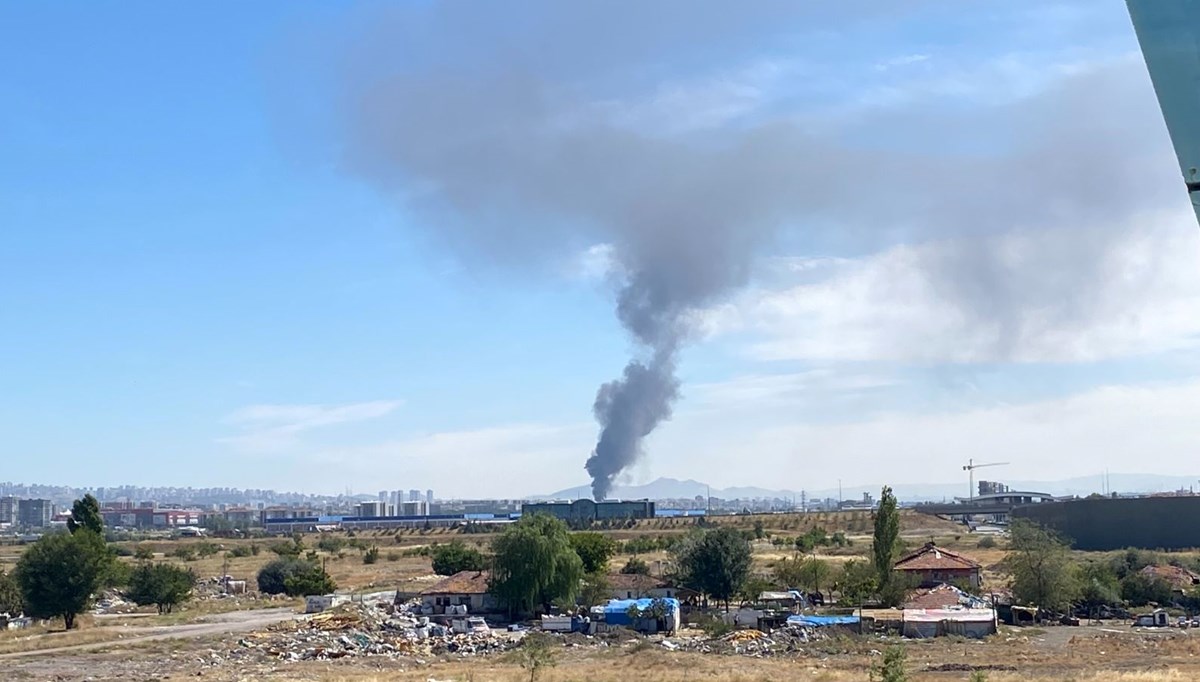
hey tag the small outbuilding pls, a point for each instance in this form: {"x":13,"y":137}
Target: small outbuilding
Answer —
{"x":643,"y":615}
{"x":972,"y":623}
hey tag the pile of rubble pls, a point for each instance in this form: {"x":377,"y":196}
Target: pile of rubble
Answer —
{"x":753,"y":643}
{"x":358,"y":630}
{"x":111,"y":601}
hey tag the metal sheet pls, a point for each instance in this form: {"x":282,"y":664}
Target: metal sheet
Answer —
{"x":1169,"y":34}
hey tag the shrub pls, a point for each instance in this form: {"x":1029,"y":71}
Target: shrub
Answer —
{"x":206,"y":549}
{"x":272,"y":577}
{"x":239,"y":551}
{"x":456,"y":556}
{"x":185,"y":553}
{"x":371,"y":555}
{"x":143,"y":553}
{"x":393,"y":556}
{"x":163,"y":585}
{"x":892,"y":669}
{"x":331,"y":544}
{"x":987,"y":542}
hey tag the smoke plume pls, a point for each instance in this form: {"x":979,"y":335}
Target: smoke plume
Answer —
{"x":522,"y":151}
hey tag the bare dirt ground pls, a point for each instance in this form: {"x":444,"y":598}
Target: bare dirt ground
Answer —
{"x":126,"y":635}
{"x":210,"y":651}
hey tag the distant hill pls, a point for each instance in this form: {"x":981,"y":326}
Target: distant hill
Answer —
{"x":675,"y":489}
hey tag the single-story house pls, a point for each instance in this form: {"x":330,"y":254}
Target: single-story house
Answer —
{"x":973,"y":623}
{"x":931,"y":566}
{"x":636,"y":586}
{"x":465,"y":588}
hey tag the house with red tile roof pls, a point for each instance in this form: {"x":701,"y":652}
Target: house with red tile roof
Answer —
{"x":932,"y":565}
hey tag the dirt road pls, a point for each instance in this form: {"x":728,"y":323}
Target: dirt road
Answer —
{"x":225,"y":623}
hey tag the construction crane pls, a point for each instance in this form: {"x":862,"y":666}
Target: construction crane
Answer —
{"x":970,"y":468}
{"x":1169,"y":34}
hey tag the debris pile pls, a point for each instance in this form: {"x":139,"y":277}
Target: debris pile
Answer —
{"x":752,"y":643}
{"x":359,"y":630}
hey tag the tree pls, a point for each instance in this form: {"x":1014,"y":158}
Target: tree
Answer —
{"x":85,"y":514}
{"x":594,"y":549}
{"x":753,"y":587}
{"x":715,"y":562}
{"x":813,"y":573}
{"x":10,"y":595}
{"x":857,"y":582}
{"x":535,"y":654}
{"x":1140,"y":589}
{"x":309,"y":579}
{"x":456,"y":556}
{"x":635,"y":566}
{"x":143,"y":553}
{"x":893,"y":666}
{"x":534,"y":565}
{"x":1040,"y":563}
{"x":595,"y":589}
{"x":787,"y":572}
{"x":886,"y":541}
{"x":59,"y":574}
{"x":163,"y":585}
{"x":1098,"y":586}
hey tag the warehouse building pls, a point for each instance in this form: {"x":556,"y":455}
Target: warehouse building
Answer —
{"x":587,"y":511}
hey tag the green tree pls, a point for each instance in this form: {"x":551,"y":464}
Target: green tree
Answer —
{"x":534,"y":565}
{"x":635,"y":566}
{"x":1140,"y":589}
{"x":594,"y":549}
{"x":309,"y":579}
{"x":59,"y":574}
{"x":1098,"y":586}
{"x":272,"y":578}
{"x":715,"y":563}
{"x":857,"y":582}
{"x":143,"y":553}
{"x":456,"y":556}
{"x":85,"y":514}
{"x":893,"y":667}
{"x":787,"y":572}
{"x":163,"y":585}
{"x":814,"y":573}
{"x":535,"y":654}
{"x":886,"y":543}
{"x":595,"y":589}
{"x":1040,"y":564}
{"x":753,"y":587}
{"x":10,"y":595}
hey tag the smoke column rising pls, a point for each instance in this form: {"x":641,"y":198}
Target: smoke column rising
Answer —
{"x":523,"y":152}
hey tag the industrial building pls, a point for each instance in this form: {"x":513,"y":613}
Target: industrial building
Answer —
{"x":587,"y":511}
{"x":1103,"y":524}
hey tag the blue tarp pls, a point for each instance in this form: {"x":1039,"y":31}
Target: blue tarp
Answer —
{"x":822,"y":621}
{"x":616,"y":612}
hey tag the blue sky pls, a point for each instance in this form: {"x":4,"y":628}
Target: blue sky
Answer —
{"x":214,"y":273}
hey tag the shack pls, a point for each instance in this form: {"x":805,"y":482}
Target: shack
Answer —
{"x":644,"y":615}
{"x":462,"y":593}
{"x":925,"y":623}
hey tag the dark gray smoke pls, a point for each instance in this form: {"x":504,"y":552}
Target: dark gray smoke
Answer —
{"x":523,"y":133}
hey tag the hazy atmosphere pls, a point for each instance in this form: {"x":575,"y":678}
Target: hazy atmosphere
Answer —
{"x":473,"y":247}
